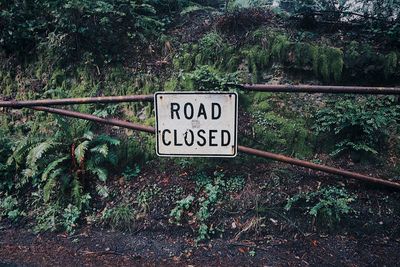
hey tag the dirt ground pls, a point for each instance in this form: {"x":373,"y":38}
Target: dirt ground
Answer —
{"x":150,"y":248}
{"x":370,"y":237}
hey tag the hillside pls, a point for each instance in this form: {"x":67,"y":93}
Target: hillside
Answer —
{"x":74,"y":192}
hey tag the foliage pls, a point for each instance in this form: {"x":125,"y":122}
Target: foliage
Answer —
{"x":211,"y":190}
{"x":145,"y":196}
{"x":130,"y":174}
{"x":279,"y":133}
{"x":360,"y":124}
{"x":76,"y":29}
{"x":9,"y":208}
{"x":61,"y":169}
{"x":6,"y":170}
{"x":181,"y":205}
{"x":362,"y":60}
{"x":379,"y":17}
{"x":328,"y":205}
{"x":70,"y":216}
{"x":120,"y":217}
{"x":205,"y":78}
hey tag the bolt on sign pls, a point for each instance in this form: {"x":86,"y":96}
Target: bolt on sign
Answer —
{"x":196,"y":124}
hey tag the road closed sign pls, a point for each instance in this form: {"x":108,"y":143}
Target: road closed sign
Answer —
{"x":196,"y":124}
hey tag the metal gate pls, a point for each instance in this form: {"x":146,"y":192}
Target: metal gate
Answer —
{"x":44,"y":105}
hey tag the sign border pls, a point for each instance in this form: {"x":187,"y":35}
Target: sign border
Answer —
{"x":198,"y":155}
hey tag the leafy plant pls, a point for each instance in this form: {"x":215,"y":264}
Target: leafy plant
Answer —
{"x":78,"y":29}
{"x":9,"y":208}
{"x":70,"y":217}
{"x":206,"y":78}
{"x":359,"y":124}
{"x":280,"y":133}
{"x":327,"y":205}
{"x":181,"y":205}
{"x":145,"y":196}
{"x":130,"y":174}
{"x":120,"y":217}
{"x":211,"y":190}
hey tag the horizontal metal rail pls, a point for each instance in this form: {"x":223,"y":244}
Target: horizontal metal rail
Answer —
{"x":319,"y":89}
{"x":73,"y":101}
{"x":243,"y":149}
{"x":247,"y":87}
{"x":317,"y":167}
{"x":113,"y":122}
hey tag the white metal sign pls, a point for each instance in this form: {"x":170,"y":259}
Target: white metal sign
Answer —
{"x":196,"y":124}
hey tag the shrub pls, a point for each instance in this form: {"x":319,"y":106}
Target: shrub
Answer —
{"x":210,"y":191}
{"x":76,"y":29}
{"x":281,"y":134}
{"x":327,"y":205}
{"x":206,"y":78}
{"x":9,"y":208}
{"x":120,"y":217}
{"x":358,"y":124}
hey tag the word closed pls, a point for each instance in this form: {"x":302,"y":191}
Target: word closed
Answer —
{"x":196,"y":124}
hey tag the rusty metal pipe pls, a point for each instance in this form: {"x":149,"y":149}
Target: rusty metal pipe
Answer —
{"x":89,"y":117}
{"x":72,"y":101}
{"x":243,"y":149}
{"x":317,"y":167}
{"x":320,"y":89}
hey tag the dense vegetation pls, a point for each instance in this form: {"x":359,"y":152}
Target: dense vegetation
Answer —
{"x":58,"y":173}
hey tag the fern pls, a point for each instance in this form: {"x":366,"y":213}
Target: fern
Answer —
{"x":76,"y":192}
{"x":102,"y":190}
{"x":36,"y":153}
{"x":101,"y":149}
{"x":19,"y":154}
{"x":52,"y":167}
{"x":50,"y":184}
{"x":107,"y":139}
{"x":101,"y":173}
{"x":80,"y":151}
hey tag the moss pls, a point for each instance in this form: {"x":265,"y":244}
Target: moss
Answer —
{"x":233,"y":64}
{"x":257,"y":60}
{"x":187,"y":61}
{"x":282,"y":134}
{"x":323,"y":66}
{"x":7,"y":84}
{"x":254,"y":74}
{"x":280,"y":48}
{"x":199,"y":59}
{"x":314,"y":57}
{"x":304,"y":55}
{"x":352,"y":52}
{"x":171,"y":84}
{"x":176,"y":63}
{"x":390,"y":64}
{"x":335,"y":59}
{"x":327,"y":63}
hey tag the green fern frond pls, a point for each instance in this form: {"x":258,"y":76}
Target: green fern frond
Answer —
{"x":36,"y":153}
{"x":102,"y":190}
{"x":76,"y":192}
{"x":80,"y":151}
{"x":101,"y":173}
{"x":88,"y":135}
{"x":107,"y":139}
{"x":112,"y":158}
{"x":50,"y":184}
{"x":101,"y":149}
{"x":52,"y":166}
{"x":19,"y":154}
